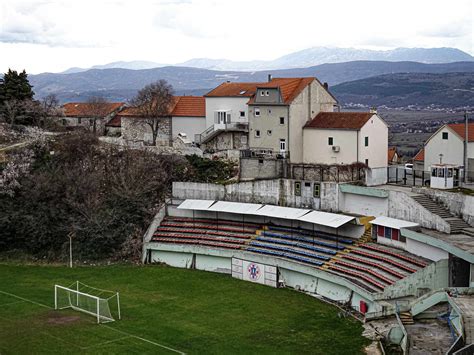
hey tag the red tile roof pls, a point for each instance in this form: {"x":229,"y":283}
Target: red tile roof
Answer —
{"x":84,"y":109}
{"x":460,"y":129}
{"x":234,"y":90}
{"x":190,"y":106}
{"x":391,"y":153}
{"x":339,"y":120}
{"x":290,"y":88}
{"x":420,"y":156}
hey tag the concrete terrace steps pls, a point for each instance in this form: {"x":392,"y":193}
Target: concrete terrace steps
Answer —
{"x":406,"y":318}
{"x":457,"y":224}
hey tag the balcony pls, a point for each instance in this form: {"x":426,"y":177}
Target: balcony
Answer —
{"x":264,"y":153}
{"x":218,"y":128}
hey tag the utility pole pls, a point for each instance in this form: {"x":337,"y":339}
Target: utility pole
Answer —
{"x":70,"y":235}
{"x":466,"y":140}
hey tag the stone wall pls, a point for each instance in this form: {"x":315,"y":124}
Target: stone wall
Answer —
{"x":227,"y":140}
{"x":255,"y":168}
{"x":275,"y":192}
{"x":457,"y":203}
{"x":135,"y":129}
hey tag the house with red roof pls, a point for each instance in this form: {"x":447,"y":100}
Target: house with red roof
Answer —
{"x":446,"y":146}
{"x":278,"y":111}
{"x":186,"y":117}
{"x":344,"y":138}
{"x":90,"y":115}
{"x":392,"y":156}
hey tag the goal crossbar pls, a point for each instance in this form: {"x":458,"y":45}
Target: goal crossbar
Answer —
{"x":86,"y":302}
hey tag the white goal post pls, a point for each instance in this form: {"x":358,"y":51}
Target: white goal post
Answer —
{"x":102,"y":304}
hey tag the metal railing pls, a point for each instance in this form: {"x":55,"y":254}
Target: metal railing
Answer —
{"x":264,"y":153}
{"x":216,"y":127}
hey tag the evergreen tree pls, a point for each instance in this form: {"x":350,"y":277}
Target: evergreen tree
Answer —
{"x":15,"y":86}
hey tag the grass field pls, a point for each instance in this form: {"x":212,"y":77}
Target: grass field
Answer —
{"x":167,"y":310}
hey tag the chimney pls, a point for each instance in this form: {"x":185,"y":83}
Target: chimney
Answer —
{"x":326,"y":86}
{"x":373,"y":109}
{"x":228,"y":81}
{"x":269,"y":77}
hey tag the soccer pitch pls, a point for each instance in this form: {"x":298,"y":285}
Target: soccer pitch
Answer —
{"x":167,"y":311}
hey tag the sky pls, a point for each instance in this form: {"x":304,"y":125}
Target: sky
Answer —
{"x":51,"y":36}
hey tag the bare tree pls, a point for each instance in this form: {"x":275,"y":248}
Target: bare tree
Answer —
{"x":98,"y":109}
{"x":153,"y":104}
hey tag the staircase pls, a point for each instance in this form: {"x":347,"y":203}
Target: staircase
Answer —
{"x":406,"y":318}
{"x":458,"y":226}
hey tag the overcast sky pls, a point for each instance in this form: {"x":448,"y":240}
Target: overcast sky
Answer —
{"x":52,"y":36}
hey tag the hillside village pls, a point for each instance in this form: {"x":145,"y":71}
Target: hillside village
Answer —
{"x":275,"y":172}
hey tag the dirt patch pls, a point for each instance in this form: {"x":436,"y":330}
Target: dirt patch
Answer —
{"x":55,"y":317}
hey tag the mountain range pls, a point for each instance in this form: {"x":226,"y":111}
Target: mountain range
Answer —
{"x":123,"y":84}
{"x":304,"y":58}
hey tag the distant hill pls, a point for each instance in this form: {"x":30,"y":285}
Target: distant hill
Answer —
{"x":421,"y":90}
{"x":303,"y":59}
{"x":122,"y":84}
{"x":322,"y":55}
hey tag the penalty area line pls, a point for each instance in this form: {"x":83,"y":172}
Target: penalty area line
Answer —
{"x":25,"y":299}
{"x":145,"y":340}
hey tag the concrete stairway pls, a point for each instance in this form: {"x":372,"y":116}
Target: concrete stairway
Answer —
{"x":406,"y":318}
{"x":457,"y":224}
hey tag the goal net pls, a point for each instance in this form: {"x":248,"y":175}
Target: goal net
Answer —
{"x":102,"y":304}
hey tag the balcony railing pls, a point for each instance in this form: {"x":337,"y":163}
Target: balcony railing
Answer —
{"x":218,"y":127}
{"x":263,"y":153}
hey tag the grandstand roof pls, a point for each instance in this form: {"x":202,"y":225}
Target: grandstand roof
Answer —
{"x":235,"y":207}
{"x":326,"y":219}
{"x":392,"y":222}
{"x":281,"y":212}
{"x":201,"y":205}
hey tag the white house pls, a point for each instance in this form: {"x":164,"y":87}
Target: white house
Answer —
{"x":346,"y":138}
{"x":446,"y":146}
{"x":227,"y":116}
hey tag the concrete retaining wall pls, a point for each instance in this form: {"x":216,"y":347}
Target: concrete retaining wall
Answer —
{"x":433,"y":277}
{"x":458,"y":204}
{"x":294,"y":275}
{"x":402,"y":206}
{"x":280,"y":192}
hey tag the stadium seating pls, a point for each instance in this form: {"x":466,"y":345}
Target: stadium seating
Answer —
{"x":368,"y":265}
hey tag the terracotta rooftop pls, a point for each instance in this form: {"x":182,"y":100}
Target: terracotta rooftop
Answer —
{"x":460,"y":129}
{"x":84,"y":109}
{"x":339,"y":120}
{"x":234,"y":90}
{"x":290,"y":88}
{"x":420,"y":156}
{"x":191,"y":106}
{"x":391,"y":153}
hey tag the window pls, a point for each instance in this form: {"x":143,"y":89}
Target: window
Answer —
{"x":388,"y":233}
{"x":330,"y":141}
{"x":257,"y":112}
{"x":282,"y":145}
{"x":445,"y":135}
{"x":297,"y":188}
{"x":262,"y":93}
{"x":269,"y":132}
{"x":222,"y":117}
{"x":64,"y":121}
{"x":242,"y":113}
{"x":243,"y":139}
{"x":269,"y":111}
{"x":260,"y":161}
{"x":402,"y":238}
{"x":79,"y":120}
{"x":366,"y":141}
{"x":316,"y":190}
{"x":267,"y":93}
{"x":282,"y":120}
{"x":257,"y":133}
{"x":367,"y":162}
{"x":91,"y":122}
{"x":307,"y":184}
